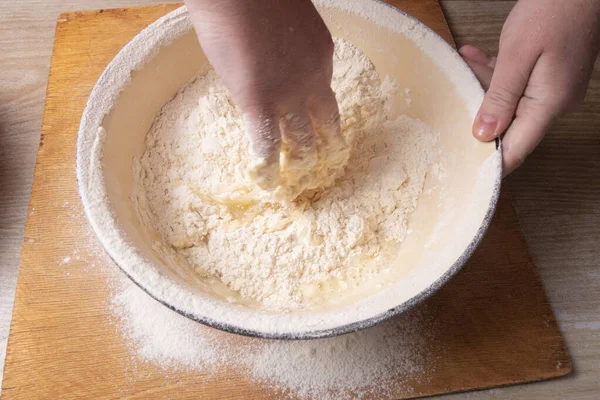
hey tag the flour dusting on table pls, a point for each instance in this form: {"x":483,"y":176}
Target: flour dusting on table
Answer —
{"x":380,"y":362}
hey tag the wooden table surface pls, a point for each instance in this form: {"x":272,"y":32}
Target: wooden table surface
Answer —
{"x":556,"y":193}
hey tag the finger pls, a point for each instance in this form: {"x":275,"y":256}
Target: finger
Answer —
{"x":265,"y":141}
{"x":483,"y":73}
{"x":477,"y":55}
{"x":508,"y":83}
{"x":325,"y":115}
{"x":299,"y":136}
{"x":525,"y":133}
{"x":481,"y":63}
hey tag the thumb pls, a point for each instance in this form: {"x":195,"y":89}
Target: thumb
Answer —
{"x":506,"y":89}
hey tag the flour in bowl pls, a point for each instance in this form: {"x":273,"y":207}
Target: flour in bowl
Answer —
{"x":192,"y":188}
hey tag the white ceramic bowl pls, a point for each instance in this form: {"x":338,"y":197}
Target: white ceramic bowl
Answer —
{"x":446,"y":226}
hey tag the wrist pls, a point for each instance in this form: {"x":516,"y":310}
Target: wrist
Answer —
{"x":237,"y":6}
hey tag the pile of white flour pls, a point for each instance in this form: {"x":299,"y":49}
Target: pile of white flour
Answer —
{"x":192,"y":188}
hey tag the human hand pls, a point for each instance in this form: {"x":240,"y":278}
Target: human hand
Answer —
{"x":546,"y":57}
{"x":276,"y":59}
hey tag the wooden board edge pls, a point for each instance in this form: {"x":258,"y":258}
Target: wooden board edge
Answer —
{"x":71,"y":15}
{"x":451,"y":40}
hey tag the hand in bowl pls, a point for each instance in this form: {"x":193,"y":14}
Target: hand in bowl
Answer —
{"x":276,"y":59}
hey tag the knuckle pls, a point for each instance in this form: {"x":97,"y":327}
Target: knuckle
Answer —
{"x":502,"y":98}
{"x":298,"y":122}
{"x":265,"y":145}
{"x":261,"y":127}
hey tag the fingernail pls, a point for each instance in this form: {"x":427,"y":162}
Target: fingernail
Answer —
{"x":486,"y":126}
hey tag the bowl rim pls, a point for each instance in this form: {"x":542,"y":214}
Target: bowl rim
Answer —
{"x":87,"y":141}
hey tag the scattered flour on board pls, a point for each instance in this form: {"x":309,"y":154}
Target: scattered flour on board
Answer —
{"x":193,"y":189}
{"x":382,"y":361}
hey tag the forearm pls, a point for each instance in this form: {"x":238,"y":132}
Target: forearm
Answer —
{"x":234,"y":8}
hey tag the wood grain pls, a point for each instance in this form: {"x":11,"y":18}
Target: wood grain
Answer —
{"x":26,"y":37}
{"x":555,"y":193}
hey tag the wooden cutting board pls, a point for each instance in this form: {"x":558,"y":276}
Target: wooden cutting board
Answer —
{"x":494,"y":324}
